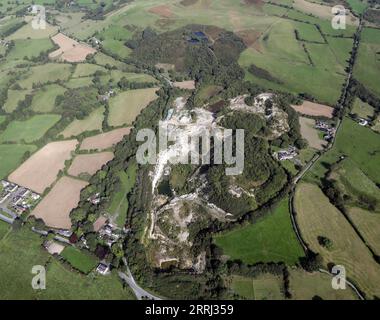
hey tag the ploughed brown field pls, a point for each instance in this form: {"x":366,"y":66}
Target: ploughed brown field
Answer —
{"x":89,"y":163}
{"x":70,"y":50}
{"x":104,"y":140}
{"x":314,"y":109}
{"x":55,"y":208}
{"x":41,"y":169}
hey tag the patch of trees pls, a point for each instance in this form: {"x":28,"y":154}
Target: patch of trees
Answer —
{"x":5,"y":32}
{"x":77,"y":103}
{"x":199,"y":61}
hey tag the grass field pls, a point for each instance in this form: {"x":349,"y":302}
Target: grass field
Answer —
{"x":362,"y":109}
{"x":28,"y":31}
{"x":353,"y":183}
{"x":2,"y":119}
{"x":360,"y":144}
{"x":43,"y":73}
{"x":358,"y":6}
{"x":79,"y":260}
{"x":271,"y":239}
{"x":29,"y":48}
{"x":79,"y":82}
{"x":14,"y":97}
{"x":305,"y":286}
{"x":290,"y":64}
{"x":126,"y":106}
{"x":263,"y":287}
{"x":119,"y":203}
{"x":29,"y":130}
{"x":87,"y":69}
{"x":316,"y":216}
{"x":368,"y":224}
{"x":90,"y":123}
{"x":44,"y":99}
{"x":116,"y":47}
{"x":11,"y":156}
{"x":367,"y":66}
{"x":103,"y":60}
{"x":20,"y":251}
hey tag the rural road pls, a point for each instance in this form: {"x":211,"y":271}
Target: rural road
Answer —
{"x":138,"y":291}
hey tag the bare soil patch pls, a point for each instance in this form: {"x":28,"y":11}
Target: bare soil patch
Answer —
{"x":89,"y":163}
{"x":163,"y":11}
{"x":41,"y":169}
{"x":70,"y":50}
{"x":314,"y":109}
{"x":190,"y":84}
{"x":105,"y":140}
{"x":309,"y":133}
{"x":55,"y":208}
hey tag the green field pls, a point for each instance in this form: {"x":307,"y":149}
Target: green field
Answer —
{"x":360,"y":144}
{"x":2,"y":119}
{"x":367,"y":66}
{"x":263,"y":287}
{"x":271,"y":239}
{"x":87,"y":69}
{"x":42,"y":74}
{"x":306,"y":286}
{"x":11,"y":156}
{"x":119,"y":203}
{"x":21,"y":250}
{"x":28,"y":31}
{"x":354,"y":184}
{"x":79,"y":82}
{"x":126,"y":106}
{"x":44,"y":99}
{"x":362,"y":109}
{"x":79,"y":260}
{"x":29,"y":130}
{"x":92,"y":122}
{"x":317,"y":217}
{"x":290,"y":65}
{"x":358,"y":6}
{"x":103,"y":60}
{"x":368,"y":224}
{"x":14,"y":97}
{"x":29,"y":48}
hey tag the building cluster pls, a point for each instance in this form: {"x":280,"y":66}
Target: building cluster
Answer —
{"x":327,"y":129}
{"x":16,"y":198}
{"x":286,"y":154}
{"x":94,"y":199}
{"x":109,"y":233}
{"x":105,"y":97}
